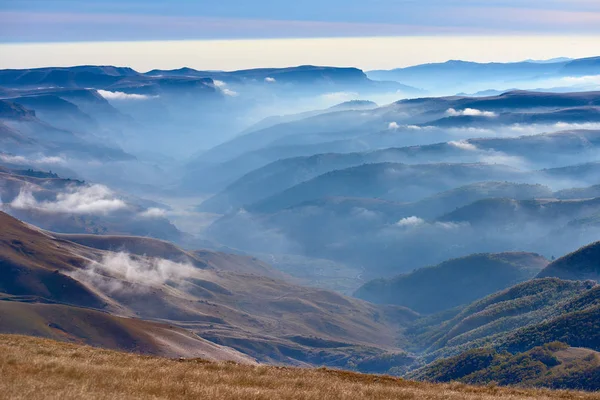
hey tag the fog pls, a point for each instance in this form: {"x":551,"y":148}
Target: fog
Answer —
{"x":374,"y":171}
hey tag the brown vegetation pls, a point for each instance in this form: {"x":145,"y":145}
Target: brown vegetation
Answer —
{"x":42,"y":369}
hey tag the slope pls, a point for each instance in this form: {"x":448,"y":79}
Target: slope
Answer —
{"x":68,"y":371}
{"x":454,"y":282}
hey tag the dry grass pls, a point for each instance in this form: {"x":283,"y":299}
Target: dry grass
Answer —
{"x":32,"y":368}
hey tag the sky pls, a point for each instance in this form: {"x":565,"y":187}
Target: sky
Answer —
{"x":227,"y":34}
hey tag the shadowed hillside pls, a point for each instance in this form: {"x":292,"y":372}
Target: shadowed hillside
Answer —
{"x":455,"y":282}
{"x":580,"y":265}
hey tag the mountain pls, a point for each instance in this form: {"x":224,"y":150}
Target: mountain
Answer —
{"x":554,"y":365}
{"x":454,"y":282}
{"x":80,"y":76}
{"x":268,"y":319}
{"x":72,"y":206}
{"x":57,"y":111}
{"x":579,"y":193}
{"x":32,"y":135}
{"x":456,"y":74}
{"x":38,"y":317}
{"x":582,"y":264}
{"x":390,"y":181}
{"x":512,"y":213}
{"x":519,"y":318}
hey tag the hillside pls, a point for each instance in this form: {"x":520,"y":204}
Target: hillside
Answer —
{"x":454,"y":282}
{"x":582,"y":264}
{"x":519,"y":318}
{"x":554,"y":365}
{"x":68,"y":371}
{"x":37,"y":317}
{"x":230,"y":300}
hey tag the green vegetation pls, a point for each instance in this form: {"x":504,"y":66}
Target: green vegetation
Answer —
{"x":554,"y":365}
{"x":579,"y":265}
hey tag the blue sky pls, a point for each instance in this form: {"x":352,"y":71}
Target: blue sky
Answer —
{"x":92,"y":20}
{"x":235,"y":34}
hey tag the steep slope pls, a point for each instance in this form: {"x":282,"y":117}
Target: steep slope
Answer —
{"x":454,"y":282}
{"x":512,"y":318}
{"x":268,"y":319}
{"x":98,"y":329}
{"x":582,"y":264}
{"x":554,"y":365}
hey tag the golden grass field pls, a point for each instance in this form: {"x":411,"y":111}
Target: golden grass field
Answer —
{"x":33,"y":368}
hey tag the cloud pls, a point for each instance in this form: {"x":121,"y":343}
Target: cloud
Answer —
{"x":268,"y":79}
{"x":229,"y":92}
{"x":222,"y":86}
{"x":393,"y":126}
{"x":340,"y":97}
{"x":470,"y":112}
{"x":490,"y":156}
{"x":463,"y":145}
{"x":154,"y":212}
{"x":94,"y":199}
{"x":410,"y":221}
{"x":116,"y":270}
{"x":38,"y":160}
{"x":123,"y":96}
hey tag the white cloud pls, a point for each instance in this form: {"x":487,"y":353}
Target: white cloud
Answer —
{"x":470,"y":112}
{"x":410,"y":221}
{"x":154,"y":212}
{"x":268,"y":79}
{"x":464,"y":145}
{"x":340,"y":97}
{"x":38,"y":160}
{"x":94,"y":199}
{"x":219,"y":83}
{"x":123,"y":96}
{"x":115,"y":270}
{"x":393,"y":126}
{"x":229,"y":92}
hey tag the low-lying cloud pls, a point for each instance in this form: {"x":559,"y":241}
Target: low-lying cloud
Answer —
{"x":154,"y":212}
{"x":37,"y":160}
{"x":410,"y":221}
{"x":463,"y":145}
{"x":94,"y":199}
{"x":470,"y":112}
{"x":116,"y":271}
{"x":108,"y":95}
{"x":268,"y":79}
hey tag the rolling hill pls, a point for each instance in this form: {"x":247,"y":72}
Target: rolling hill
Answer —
{"x":209,"y":294}
{"x":554,"y":365}
{"x":582,"y":264}
{"x":427,"y":290}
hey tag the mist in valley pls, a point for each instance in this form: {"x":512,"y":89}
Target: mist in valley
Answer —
{"x":290,"y":213}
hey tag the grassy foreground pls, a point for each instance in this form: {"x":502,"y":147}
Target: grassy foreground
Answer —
{"x":33,"y":368}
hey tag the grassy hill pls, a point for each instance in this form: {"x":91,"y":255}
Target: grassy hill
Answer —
{"x":454,"y":282}
{"x":226,"y":299}
{"x":43,"y":369}
{"x":36,"y":317}
{"x":524,"y":316}
{"x":579,"y":265}
{"x":553,"y":365}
